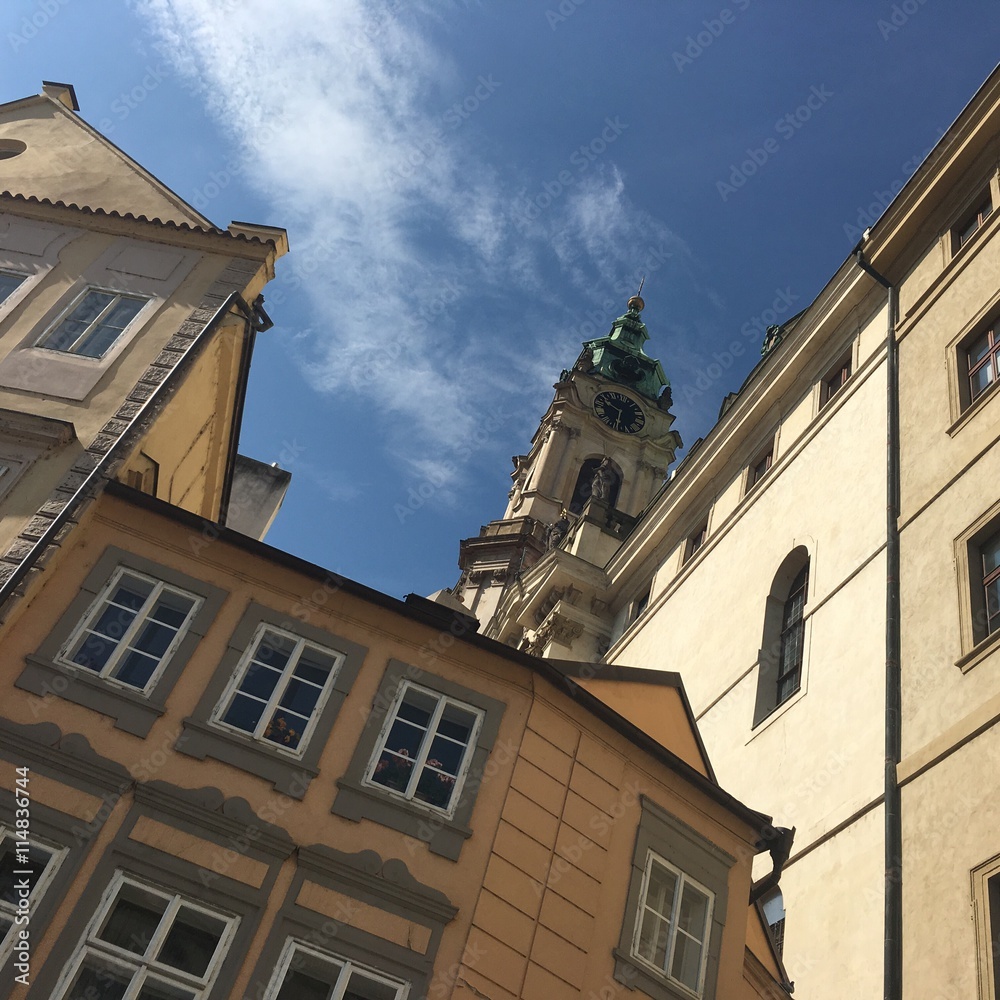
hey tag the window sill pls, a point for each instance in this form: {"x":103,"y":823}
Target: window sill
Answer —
{"x":979,"y":652}
{"x":776,"y":713}
{"x":442,"y":835}
{"x":289,"y":775}
{"x":132,"y":712}
{"x":973,"y":408}
{"x":634,"y":973}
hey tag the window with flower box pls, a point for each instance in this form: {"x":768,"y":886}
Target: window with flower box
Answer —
{"x":279,"y":690}
{"x":420,"y":759}
{"x":271,"y":704}
{"x":423,"y":753}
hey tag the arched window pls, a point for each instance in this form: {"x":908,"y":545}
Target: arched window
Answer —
{"x":782,"y":649}
{"x":585,"y":484}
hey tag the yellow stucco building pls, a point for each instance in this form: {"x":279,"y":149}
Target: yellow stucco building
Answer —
{"x":229,"y":773}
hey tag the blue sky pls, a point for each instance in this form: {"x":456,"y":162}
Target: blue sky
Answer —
{"x":472,"y":187}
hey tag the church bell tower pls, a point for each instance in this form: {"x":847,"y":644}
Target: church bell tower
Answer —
{"x":600,"y":453}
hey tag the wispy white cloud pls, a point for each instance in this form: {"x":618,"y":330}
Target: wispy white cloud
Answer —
{"x":402,"y":233}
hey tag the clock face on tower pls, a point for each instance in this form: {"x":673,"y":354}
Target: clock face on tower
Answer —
{"x":619,"y":412}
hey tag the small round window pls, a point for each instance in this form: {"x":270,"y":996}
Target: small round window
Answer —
{"x":11,"y":147}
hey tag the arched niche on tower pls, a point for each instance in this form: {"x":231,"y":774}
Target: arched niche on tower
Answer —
{"x":584,"y":488}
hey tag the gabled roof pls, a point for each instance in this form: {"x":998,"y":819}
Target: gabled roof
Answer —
{"x":68,"y":160}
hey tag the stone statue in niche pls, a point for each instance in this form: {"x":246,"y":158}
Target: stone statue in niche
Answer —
{"x":604,"y":477}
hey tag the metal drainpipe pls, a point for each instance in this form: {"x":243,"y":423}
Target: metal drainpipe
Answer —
{"x":893,"y":941}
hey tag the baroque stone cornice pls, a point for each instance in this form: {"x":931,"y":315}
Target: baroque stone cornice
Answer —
{"x":389,"y":879}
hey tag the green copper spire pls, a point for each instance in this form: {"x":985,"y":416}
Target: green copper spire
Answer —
{"x":619,"y":356}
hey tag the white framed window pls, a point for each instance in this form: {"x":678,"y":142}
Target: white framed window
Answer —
{"x":25,"y":867}
{"x":145,"y":943}
{"x":305,"y":973}
{"x":130,"y":632}
{"x":93,"y":323}
{"x":425,"y":747}
{"x":10,"y":281}
{"x":672,"y":924}
{"x":279,"y":689}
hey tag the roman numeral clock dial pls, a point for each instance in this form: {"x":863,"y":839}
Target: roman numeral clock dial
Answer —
{"x":619,"y":412}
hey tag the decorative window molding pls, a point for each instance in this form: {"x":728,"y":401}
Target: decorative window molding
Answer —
{"x":781,"y":659}
{"x":695,"y":541}
{"x":676,"y":950}
{"x":171,"y":893}
{"x":835,"y":379}
{"x":979,"y":363}
{"x":114,"y":688}
{"x":986,"y":911}
{"x":142,"y":937}
{"x":444,"y":827}
{"x":977,"y":557}
{"x":759,"y":467}
{"x":425,"y":748}
{"x":373,"y":911}
{"x":132,"y":629}
{"x":973,"y":219}
{"x":66,"y":349}
{"x":673,"y":865}
{"x":290,"y":768}
{"x":94,"y":322}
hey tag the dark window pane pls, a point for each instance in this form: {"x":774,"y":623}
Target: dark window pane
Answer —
{"x":363,"y":987}
{"x":114,"y":622}
{"x":300,"y":697}
{"x":446,"y":756}
{"x":285,"y":729}
{"x":136,"y":669}
{"x":274,"y":650}
{"x":94,"y":652}
{"x":418,"y":713}
{"x":37,"y":859}
{"x":154,"y":638}
{"x":991,"y":556}
{"x":172,"y":614}
{"x":259,"y":681}
{"x":191,"y":942}
{"x":435,"y":789}
{"x":405,"y":739}
{"x":299,"y":986}
{"x":133,"y":921}
{"x":244,"y":713}
{"x":96,"y":981}
{"x":155,"y":990}
{"x":314,"y":666}
{"x":8,"y":282}
{"x":392,"y":771}
{"x":457,"y":724}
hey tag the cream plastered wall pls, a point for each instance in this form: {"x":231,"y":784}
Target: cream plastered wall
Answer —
{"x":950,"y":821}
{"x":67,"y":161}
{"x":834,"y":903}
{"x":817,"y":761}
{"x":950,"y":479}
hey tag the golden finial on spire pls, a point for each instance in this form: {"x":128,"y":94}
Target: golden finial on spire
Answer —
{"x":636,"y":303}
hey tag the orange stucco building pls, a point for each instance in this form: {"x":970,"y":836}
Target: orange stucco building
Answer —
{"x":229,"y":773}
